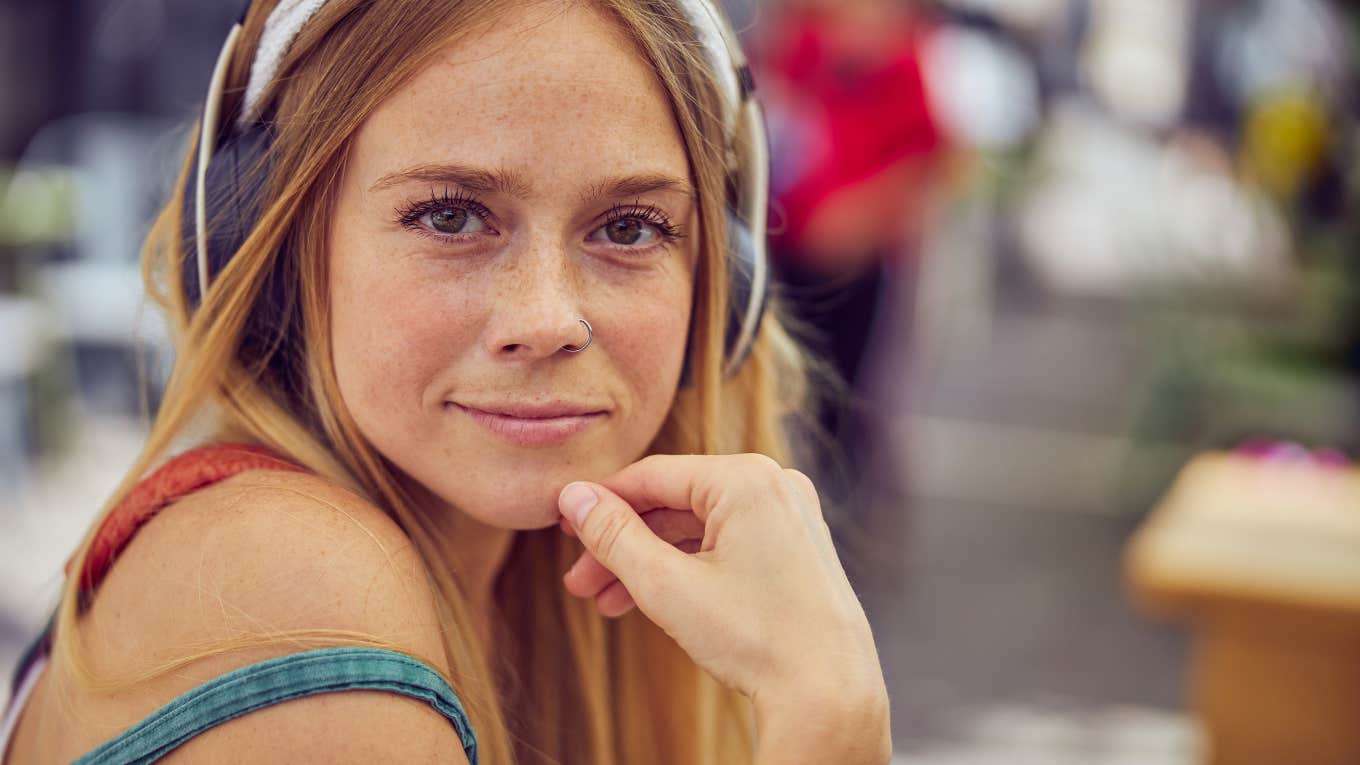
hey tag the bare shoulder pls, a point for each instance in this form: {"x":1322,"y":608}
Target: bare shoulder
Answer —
{"x":250,"y":565}
{"x":265,"y":552}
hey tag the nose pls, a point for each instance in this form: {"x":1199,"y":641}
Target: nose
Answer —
{"x":536,"y":306}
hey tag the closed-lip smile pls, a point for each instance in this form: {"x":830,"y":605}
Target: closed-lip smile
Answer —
{"x":533,"y":424}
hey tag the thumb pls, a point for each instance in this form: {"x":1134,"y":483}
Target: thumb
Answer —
{"x":617,"y":536}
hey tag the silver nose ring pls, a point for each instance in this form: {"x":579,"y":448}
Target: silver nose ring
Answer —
{"x":590,"y":338}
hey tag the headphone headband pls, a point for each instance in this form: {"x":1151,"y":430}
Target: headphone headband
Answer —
{"x":724,"y":56}
{"x":207,"y":139}
{"x":283,"y":26}
{"x":288,"y":18}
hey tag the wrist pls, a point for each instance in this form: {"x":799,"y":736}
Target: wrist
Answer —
{"x":828,"y":724}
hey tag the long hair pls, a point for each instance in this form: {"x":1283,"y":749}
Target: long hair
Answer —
{"x":254,"y":359}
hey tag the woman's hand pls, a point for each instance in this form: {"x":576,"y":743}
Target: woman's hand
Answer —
{"x":761,"y":602}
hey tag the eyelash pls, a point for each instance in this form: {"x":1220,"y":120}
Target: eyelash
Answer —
{"x":652,"y":216}
{"x":409,"y":217}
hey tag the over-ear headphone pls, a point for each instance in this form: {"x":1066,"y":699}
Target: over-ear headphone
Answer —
{"x":223,"y":181}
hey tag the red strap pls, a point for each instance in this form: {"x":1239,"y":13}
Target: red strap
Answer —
{"x":182,"y":475}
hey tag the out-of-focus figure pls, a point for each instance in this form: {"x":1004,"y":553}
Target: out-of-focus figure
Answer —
{"x":855,"y":145}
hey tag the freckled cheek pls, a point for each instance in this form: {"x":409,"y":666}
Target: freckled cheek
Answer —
{"x":393,"y":336}
{"x":649,"y":350}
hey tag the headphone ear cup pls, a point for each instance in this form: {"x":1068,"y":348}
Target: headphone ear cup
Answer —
{"x":743,"y":261}
{"x":233,"y":190}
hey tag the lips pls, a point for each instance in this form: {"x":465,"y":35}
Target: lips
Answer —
{"x":542,"y":411}
{"x":533,"y":424}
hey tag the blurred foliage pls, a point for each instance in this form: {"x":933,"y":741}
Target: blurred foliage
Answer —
{"x":35,"y":214}
{"x":1227,"y":369}
{"x":36,"y":205}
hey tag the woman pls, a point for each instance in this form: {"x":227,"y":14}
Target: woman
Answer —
{"x":479,"y":274}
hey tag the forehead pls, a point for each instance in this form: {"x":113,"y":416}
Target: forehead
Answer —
{"x":554,"y":93}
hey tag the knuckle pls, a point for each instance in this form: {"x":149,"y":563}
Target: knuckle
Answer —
{"x":648,"y":475}
{"x":752,"y":478}
{"x":760,"y":470}
{"x":759,"y":463}
{"x":805,"y":490}
{"x":801,"y":481}
{"x":652,"y":462}
{"x":608,"y":529}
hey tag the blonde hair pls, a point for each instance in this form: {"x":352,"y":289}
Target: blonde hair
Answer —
{"x":258,"y":350}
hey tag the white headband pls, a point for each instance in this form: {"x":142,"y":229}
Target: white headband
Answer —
{"x":723,"y":54}
{"x":280,"y":30}
{"x":290,"y":16}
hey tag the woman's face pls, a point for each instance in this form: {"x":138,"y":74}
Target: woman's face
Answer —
{"x":532,"y":176}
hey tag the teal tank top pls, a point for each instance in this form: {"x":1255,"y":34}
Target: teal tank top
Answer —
{"x":277,"y":680}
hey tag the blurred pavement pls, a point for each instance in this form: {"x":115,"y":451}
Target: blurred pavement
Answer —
{"x":1001,"y":620}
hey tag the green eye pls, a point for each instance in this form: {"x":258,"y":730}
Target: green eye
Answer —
{"x":454,"y":220}
{"x":636,"y":228}
{"x":450,"y":217}
{"x":449,"y":220}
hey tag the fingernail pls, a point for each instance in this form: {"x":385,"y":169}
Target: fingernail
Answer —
{"x":576,"y":501}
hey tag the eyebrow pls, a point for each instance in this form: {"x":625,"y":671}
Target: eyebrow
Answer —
{"x":636,"y":186}
{"x":470,"y":178}
{"x":511,"y":184}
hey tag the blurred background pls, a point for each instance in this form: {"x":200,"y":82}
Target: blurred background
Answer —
{"x":1053,"y":248}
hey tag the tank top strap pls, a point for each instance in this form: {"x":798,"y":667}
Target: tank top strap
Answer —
{"x":274,"y":681}
{"x":195,"y":469}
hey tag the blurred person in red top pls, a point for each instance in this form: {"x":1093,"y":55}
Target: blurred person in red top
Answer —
{"x":854,"y":149}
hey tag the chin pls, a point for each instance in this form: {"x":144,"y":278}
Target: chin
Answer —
{"x":515,"y":503}
{"x":520,"y":516}
{"x":516,"y":488}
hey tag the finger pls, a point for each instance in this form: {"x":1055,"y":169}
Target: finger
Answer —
{"x":804,"y":485}
{"x":614,"y":601}
{"x":617,"y":537}
{"x":674,"y":526}
{"x":811,"y":508}
{"x":692,"y":481}
{"x":587,"y":577}
{"x":669,"y":524}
